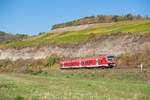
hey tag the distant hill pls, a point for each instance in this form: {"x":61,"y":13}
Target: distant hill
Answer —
{"x":99,"y":19}
{"x":8,"y":38}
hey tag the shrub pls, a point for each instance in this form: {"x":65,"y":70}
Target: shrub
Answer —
{"x":37,"y":72}
{"x":37,"y":46}
{"x":49,"y":61}
{"x":144,"y":70}
{"x":92,"y":35}
{"x":19,"y":98}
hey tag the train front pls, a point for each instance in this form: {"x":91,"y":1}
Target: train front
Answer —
{"x":111,"y":61}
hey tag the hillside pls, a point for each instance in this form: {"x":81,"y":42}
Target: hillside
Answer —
{"x":71,"y":37}
{"x":8,"y":38}
{"x":99,"y":19}
{"x":120,"y":38}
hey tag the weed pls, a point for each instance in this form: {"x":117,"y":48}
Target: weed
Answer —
{"x":144,"y":70}
{"x":37,"y":72}
{"x":19,"y":98}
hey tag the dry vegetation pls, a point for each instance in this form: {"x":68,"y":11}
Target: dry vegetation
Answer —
{"x":52,"y":62}
{"x":43,"y":80}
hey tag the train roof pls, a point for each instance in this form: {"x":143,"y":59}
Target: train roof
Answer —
{"x":106,"y":55}
{"x":88,"y":57}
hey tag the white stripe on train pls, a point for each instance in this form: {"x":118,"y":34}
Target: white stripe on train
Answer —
{"x":87,"y":66}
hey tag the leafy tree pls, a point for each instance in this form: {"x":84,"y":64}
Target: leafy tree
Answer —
{"x":100,"y":18}
{"x":115,"y":18}
{"x":49,"y":61}
{"x":129,"y":16}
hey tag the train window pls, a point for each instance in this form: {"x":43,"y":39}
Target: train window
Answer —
{"x":110,"y":57}
{"x":90,"y":62}
{"x":86,"y":62}
{"x":74,"y":63}
{"x":100,"y":61}
{"x":82,"y":62}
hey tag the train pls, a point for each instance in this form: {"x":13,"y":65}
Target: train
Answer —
{"x":100,"y":61}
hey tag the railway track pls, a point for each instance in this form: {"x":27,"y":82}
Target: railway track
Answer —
{"x":116,"y":69}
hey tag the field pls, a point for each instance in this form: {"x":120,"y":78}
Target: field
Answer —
{"x":136,"y":27}
{"x":111,"y":84}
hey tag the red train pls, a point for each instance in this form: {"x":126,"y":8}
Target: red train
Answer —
{"x":101,"y":61}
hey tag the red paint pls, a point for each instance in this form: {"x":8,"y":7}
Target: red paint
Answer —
{"x":100,"y":61}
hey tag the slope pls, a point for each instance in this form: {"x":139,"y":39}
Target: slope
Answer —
{"x":134,"y":26}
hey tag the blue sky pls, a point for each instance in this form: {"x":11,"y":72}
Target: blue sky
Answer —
{"x":34,"y":16}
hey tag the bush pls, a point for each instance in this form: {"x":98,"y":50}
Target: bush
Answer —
{"x":37,"y":46}
{"x":19,"y":98}
{"x":37,"y":72}
{"x":50,"y":61}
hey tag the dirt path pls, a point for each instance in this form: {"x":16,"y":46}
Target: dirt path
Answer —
{"x":81,"y":27}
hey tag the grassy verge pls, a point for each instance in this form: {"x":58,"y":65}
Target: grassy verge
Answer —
{"x":76,"y":85}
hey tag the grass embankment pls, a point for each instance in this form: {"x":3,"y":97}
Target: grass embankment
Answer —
{"x":76,"y":85}
{"x":136,"y":27}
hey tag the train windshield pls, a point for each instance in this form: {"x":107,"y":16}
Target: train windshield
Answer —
{"x":110,"y":58}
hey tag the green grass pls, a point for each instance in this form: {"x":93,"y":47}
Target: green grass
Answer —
{"x":76,"y":85}
{"x":136,"y":27}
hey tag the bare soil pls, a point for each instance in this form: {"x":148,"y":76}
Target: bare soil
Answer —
{"x":81,"y":27}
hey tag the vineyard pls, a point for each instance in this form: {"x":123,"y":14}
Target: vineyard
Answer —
{"x":136,"y":27}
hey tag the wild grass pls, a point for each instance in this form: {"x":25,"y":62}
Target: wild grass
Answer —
{"x":76,"y":85}
{"x":136,"y":27}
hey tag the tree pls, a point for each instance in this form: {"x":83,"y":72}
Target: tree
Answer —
{"x":41,"y":33}
{"x":115,"y":18}
{"x":107,"y":18}
{"x":139,"y":16}
{"x":100,"y":18}
{"x":49,"y":61}
{"x":129,"y":16}
{"x":146,"y":17}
